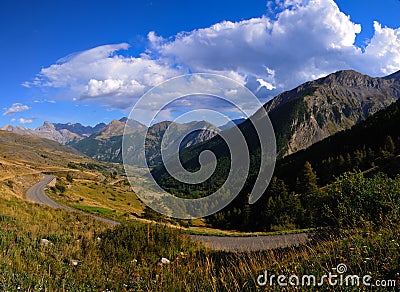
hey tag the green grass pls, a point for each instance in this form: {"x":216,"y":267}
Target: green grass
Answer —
{"x":94,"y":209}
{"x":117,"y":202}
{"x":126,"y":258}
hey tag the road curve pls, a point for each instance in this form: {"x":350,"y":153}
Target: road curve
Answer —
{"x":38,"y":195}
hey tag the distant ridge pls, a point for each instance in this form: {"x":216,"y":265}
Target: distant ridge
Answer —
{"x":61,"y":133}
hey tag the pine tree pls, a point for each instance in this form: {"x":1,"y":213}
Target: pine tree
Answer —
{"x":308,"y":188}
{"x":307,"y":180}
{"x":389,"y":145}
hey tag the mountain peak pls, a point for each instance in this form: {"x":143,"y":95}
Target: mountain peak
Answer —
{"x":47,"y":126}
{"x":348,"y":78}
{"x":320,"y":108}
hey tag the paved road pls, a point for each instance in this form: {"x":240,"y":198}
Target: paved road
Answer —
{"x":253,"y":243}
{"x":38,"y":195}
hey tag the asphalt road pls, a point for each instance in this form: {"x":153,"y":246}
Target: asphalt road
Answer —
{"x":38,"y":195}
{"x":251,"y":243}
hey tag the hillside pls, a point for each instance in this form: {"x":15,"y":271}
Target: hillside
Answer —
{"x":23,"y":159}
{"x":321,"y":108}
{"x":307,"y":114}
{"x":370,"y":144}
{"x":106,"y":144}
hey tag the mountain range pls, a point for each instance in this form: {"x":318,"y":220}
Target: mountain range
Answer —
{"x":103,"y":142}
{"x":303,"y":116}
{"x":106,"y":144}
{"x":61,"y":133}
{"x":300,"y":117}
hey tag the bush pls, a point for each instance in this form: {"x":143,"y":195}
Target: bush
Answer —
{"x":356,"y":199}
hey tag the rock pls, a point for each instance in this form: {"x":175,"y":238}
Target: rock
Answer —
{"x":75,"y":262}
{"x":164,"y":261}
{"x":45,"y":242}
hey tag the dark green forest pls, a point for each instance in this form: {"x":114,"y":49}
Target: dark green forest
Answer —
{"x":340,"y":181}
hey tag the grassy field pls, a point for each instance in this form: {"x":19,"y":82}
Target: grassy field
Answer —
{"x":111,"y":198}
{"x":85,"y":255}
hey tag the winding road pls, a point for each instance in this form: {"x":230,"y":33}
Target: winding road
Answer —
{"x":38,"y":195}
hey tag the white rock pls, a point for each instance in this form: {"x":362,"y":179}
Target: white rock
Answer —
{"x":75,"y":262}
{"x":45,"y":242}
{"x":164,"y":261}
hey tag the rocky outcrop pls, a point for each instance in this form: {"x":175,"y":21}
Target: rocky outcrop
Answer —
{"x":320,"y":108}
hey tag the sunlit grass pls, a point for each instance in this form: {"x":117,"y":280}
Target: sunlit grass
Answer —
{"x":126,"y":258}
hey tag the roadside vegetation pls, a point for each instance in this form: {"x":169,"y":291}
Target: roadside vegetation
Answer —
{"x":53,"y":250}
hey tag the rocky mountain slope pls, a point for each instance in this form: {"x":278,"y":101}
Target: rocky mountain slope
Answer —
{"x":305,"y":115}
{"x":61,"y":133}
{"x":320,"y":108}
{"x":79,"y":129}
{"x":106,"y":145}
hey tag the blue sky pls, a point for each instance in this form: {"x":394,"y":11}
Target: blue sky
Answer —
{"x":89,"y":61}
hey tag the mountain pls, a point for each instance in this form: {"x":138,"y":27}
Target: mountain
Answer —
{"x":320,"y":108}
{"x":301,"y":117}
{"x":61,"y":133}
{"x":301,"y":191}
{"x":106,"y":144}
{"x":192,"y":133}
{"x":63,"y":136}
{"x":310,"y":185}
{"x":47,"y":131}
{"x":369,"y":144}
{"x":79,"y":129}
{"x":36,"y":152}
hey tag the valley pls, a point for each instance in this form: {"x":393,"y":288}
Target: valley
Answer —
{"x":333,"y":198}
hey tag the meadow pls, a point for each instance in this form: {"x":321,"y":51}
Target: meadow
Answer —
{"x":85,"y":255}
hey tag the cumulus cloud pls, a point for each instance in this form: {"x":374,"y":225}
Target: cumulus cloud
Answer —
{"x":25,"y":121}
{"x":306,"y":39}
{"x":101,"y":74}
{"x":15,"y":108}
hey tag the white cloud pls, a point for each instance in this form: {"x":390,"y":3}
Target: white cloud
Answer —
{"x":44,"y":101}
{"x":15,"y":108}
{"x":306,"y":40}
{"x":25,"y":121}
{"x":101,"y":74}
{"x":264,"y":84}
